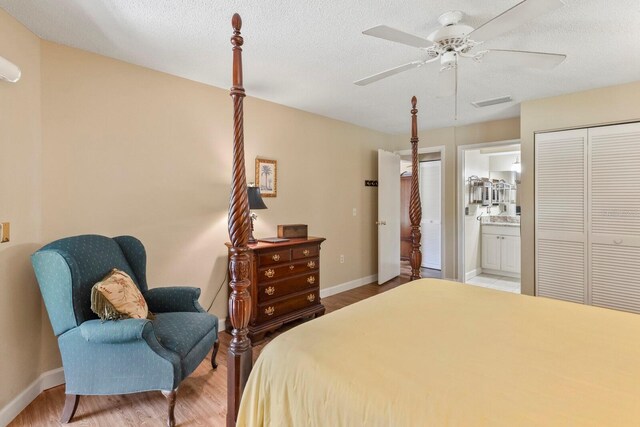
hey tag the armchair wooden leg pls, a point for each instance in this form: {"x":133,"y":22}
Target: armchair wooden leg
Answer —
{"x":216,"y":347}
{"x":70,"y":406}
{"x":171,"y":402}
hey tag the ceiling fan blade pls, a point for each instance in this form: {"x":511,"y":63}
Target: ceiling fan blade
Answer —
{"x":447,"y":83}
{"x":518,"y":15}
{"x":391,"y":34}
{"x":388,"y":73}
{"x":521,"y":58}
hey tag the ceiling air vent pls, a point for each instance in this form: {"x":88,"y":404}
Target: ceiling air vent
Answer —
{"x":492,"y":101}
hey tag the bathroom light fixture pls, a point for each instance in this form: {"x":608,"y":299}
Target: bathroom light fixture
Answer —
{"x":516,"y":166}
{"x":9,"y":71}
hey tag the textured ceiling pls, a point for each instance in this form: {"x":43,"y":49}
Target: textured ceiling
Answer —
{"x":306,"y":54}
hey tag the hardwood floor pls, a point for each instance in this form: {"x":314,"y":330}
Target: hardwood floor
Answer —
{"x":201,"y":398}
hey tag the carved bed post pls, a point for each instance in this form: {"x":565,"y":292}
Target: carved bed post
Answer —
{"x":239,"y":358}
{"x":415,"y":208}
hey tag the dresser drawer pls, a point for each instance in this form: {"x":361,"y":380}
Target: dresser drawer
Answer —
{"x":291,"y":285}
{"x":271,"y":310}
{"x":274,"y":257}
{"x":308,"y":251}
{"x":277,"y":272}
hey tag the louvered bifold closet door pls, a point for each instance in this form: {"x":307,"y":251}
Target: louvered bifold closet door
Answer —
{"x":561,"y":202}
{"x":614,"y":214}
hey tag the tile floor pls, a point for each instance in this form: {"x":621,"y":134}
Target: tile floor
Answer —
{"x":501,"y":283}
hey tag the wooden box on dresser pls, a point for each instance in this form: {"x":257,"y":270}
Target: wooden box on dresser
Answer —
{"x":285,"y":284}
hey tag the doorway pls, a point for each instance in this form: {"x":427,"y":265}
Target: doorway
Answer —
{"x":489,"y":215}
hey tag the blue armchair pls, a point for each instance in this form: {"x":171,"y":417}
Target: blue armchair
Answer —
{"x":121,"y":356}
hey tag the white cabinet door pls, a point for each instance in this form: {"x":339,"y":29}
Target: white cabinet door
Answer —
{"x":510,"y":254}
{"x":491,"y":251}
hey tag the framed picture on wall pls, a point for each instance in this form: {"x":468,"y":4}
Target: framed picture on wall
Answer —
{"x":267,"y":177}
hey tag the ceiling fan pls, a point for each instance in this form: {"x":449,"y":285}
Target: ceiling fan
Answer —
{"x":455,"y":40}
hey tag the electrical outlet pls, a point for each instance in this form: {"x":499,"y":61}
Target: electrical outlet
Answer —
{"x":4,"y":232}
{"x":341,"y":259}
{"x":355,"y":212}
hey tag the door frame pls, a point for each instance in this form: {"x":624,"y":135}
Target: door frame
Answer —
{"x":436,"y":149}
{"x":460,"y":196}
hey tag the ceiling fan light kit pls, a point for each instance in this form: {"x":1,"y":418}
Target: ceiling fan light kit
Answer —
{"x":454,"y":40}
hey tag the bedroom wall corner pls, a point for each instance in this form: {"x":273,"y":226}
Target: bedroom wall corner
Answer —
{"x":28,"y":344}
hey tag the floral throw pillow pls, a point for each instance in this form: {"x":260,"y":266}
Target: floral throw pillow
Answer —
{"x":116,"y":296}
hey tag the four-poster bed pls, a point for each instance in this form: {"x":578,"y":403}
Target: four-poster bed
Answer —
{"x":430,"y":352}
{"x":239,"y":354}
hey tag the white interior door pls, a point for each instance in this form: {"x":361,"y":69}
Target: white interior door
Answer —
{"x":388,"y":216}
{"x":430,"y":196}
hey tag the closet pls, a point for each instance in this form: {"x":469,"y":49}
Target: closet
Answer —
{"x":587,"y":198}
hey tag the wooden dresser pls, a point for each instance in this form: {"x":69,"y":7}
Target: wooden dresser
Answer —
{"x":285,"y":284}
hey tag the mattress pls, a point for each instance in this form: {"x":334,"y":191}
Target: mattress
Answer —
{"x":440,"y":353}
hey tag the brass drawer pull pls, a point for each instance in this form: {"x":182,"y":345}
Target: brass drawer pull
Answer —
{"x":270,"y":290}
{"x":305,"y":252}
{"x":291,"y":267}
{"x":276,"y":257}
{"x":311,"y":264}
{"x":311,"y":297}
{"x":270,"y":273}
{"x":269,"y":310}
{"x":311,"y":280}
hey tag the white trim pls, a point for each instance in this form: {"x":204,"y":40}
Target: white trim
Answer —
{"x":460,"y":200}
{"x":347,"y":286}
{"x":501,"y":273}
{"x":45,"y":381}
{"x":473,"y":273}
{"x":443,"y":168}
{"x":222,"y":325}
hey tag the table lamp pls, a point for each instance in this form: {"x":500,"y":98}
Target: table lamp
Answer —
{"x":255,"y":202}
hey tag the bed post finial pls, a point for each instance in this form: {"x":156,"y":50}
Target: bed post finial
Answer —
{"x":236,"y":23}
{"x":415,"y":208}
{"x":239,"y":356}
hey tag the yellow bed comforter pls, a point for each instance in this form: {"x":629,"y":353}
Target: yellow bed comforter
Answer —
{"x":439,"y":353}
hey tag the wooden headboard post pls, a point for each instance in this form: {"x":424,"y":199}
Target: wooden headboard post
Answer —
{"x":415,"y":208}
{"x":239,"y":356}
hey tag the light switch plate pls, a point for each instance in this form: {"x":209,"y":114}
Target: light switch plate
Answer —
{"x":5,"y":234}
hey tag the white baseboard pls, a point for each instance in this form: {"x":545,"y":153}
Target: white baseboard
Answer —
{"x":45,"y":381}
{"x":501,"y":273}
{"x":222,"y":325}
{"x":473,"y":273}
{"x":327,"y":292}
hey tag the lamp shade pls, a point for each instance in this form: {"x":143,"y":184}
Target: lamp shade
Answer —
{"x":255,"y":199}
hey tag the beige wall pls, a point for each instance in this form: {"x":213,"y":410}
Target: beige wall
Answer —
{"x":24,"y":328}
{"x":95,"y":145}
{"x":132,"y":151}
{"x":451,"y":138}
{"x":589,"y":108}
